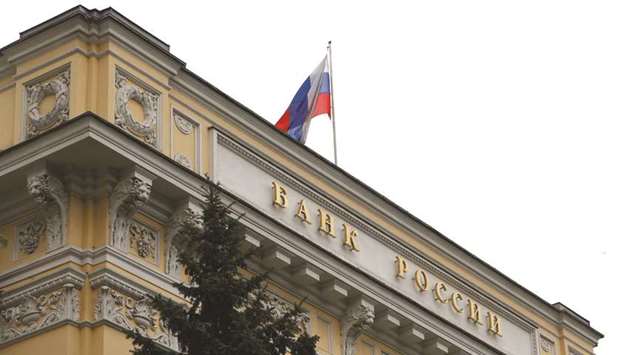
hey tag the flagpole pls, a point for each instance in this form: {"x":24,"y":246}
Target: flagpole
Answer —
{"x":331,"y":97}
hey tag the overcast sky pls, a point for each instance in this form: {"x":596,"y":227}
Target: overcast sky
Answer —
{"x":495,"y":122}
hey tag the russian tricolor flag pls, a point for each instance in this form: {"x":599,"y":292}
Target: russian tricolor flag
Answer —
{"x":312,"y":99}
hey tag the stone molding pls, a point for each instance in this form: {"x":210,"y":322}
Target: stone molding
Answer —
{"x":40,"y":306}
{"x":130,"y":194}
{"x":129,"y":308}
{"x":186,"y":219}
{"x":53,"y":201}
{"x":126,"y":91}
{"x":36,"y":92}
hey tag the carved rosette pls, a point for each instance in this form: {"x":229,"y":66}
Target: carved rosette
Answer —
{"x":130,"y":309}
{"x":128,"y":196}
{"x":48,"y":191}
{"x":36,"y":93}
{"x":37,"y":308}
{"x":357,"y":319}
{"x":28,"y":236}
{"x":127,"y":91}
{"x":186,"y":219}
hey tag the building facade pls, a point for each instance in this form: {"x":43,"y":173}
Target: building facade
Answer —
{"x":105,"y":139}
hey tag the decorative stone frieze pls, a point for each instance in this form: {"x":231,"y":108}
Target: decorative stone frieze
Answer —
{"x":126,"y":91}
{"x":40,"y":307}
{"x":28,"y":236}
{"x":129,"y":308}
{"x":128,"y":196}
{"x":49,"y":193}
{"x":183,"y":160}
{"x":186,"y":219}
{"x":184,"y":125}
{"x":58,"y":86}
{"x":358,"y":318}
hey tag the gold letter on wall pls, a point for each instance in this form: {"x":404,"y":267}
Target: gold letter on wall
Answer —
{"x":437,"y":292}
{"x":474,"y":312}
{"x":350,"y":237}
{"x":325,"y":223}
{"x":494,"y":326}
{"x":401,"y":267}
{"x":421,"y":280}
{"x":455,"y":302}
{"x":279,"y":195}
{"x":302,"y":212}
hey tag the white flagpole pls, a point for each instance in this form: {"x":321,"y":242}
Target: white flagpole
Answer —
{"x":331,"y":97}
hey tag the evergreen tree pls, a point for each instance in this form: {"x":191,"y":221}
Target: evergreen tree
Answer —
{"x":227,"y":313}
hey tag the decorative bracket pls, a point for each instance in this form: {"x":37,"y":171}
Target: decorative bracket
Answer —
{"x":186,"y":219}
{"x":131,"y":193}
{"x":359,"y":317}
{"x":49,"y":193}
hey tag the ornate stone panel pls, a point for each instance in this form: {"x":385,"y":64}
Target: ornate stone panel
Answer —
{"x":58,"y":86}
{"x":128,"y":196}
{"x":129,"y":308}
{"x":546,"y":346}
{"x":143,"y":242}
{"x":28,"y":236}
{"x":126,"y":90}
{"x":359,"y":317}
{"x":49,"y":193}
{"x":40,"y":307}
{"x":184,"y":125}
{"x":186,"y":219}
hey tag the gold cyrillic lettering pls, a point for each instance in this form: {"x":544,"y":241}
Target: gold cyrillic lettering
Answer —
{"x":421,"y":280}
{"x":326,"y":223}
{"x":279,"y":195}
{"x":474,"y":312}
{"x":493,"y":323}
{"x":437,"y":292}
{"x":401,"y":267}
{"x":350,"y":237}
{"x":302,"y":212}
{"x":455,"y":302}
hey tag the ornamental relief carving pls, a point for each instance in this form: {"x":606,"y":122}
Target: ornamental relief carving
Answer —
{"x":133,"y":312}
{"x":186,"y":219}
{"x":357,"y":319}
{"x":128,"y":196}
{"x":143,"y":241}
{"x":546,"y":346}
{"x":28,"y":236}
{"x":184,"y":125}
{"x":36,"y":122}
{"x":53,"y":201}
{"x":183,"y":160}
{"x":39,"y":308}
{"x":127,"y":91}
